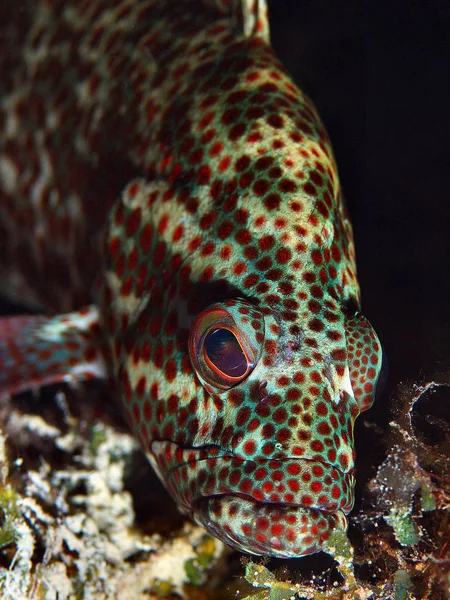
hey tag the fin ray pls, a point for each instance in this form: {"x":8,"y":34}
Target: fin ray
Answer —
{"x":249,"y":17}
{"x":39,"y":350}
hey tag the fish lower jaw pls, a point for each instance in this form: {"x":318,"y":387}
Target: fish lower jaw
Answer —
{"x":281,"y":531}
{"x":283,"y":508}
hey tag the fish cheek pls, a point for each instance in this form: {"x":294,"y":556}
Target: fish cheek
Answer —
{"x":159,"y":390}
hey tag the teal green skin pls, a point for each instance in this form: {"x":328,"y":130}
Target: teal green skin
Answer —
{"x":227,"y":287}
{"x":242,"y":235}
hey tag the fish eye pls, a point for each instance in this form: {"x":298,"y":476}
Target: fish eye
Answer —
{"x":222,"y":352}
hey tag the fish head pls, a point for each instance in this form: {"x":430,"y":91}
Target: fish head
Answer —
{"x":243,"y":395}
{"x":262,"y":456}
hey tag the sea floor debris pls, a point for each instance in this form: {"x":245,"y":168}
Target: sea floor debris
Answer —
{"x":72,"y":526}
{"x":68,"y":523}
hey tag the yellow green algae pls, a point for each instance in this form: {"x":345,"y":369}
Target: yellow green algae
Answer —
{"x":10,"y":512}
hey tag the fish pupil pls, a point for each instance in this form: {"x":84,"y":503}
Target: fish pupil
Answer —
{"x":225,"y":353}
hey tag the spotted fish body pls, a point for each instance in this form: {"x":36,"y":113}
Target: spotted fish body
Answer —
{"x":156,"y":159}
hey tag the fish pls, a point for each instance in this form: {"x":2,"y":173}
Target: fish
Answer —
{"x":172,"y":212}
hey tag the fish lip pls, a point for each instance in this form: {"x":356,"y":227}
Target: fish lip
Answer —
{"x":281,"y":531}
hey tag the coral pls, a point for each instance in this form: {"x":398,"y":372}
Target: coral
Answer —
{"x":68,"y":523}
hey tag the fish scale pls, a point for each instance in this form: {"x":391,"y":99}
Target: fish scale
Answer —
{"x":157,"y":160}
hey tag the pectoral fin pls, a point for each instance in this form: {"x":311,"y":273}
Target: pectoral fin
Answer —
{"x":38,"y":350}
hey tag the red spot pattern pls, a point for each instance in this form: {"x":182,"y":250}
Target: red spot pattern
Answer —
{"x":238,"y":198}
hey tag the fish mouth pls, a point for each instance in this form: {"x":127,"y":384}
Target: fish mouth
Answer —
{"x":284,"y":508}
{"x":282,"y":531}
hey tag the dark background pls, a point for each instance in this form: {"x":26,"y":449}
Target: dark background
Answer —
{"x":379,"y":74}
